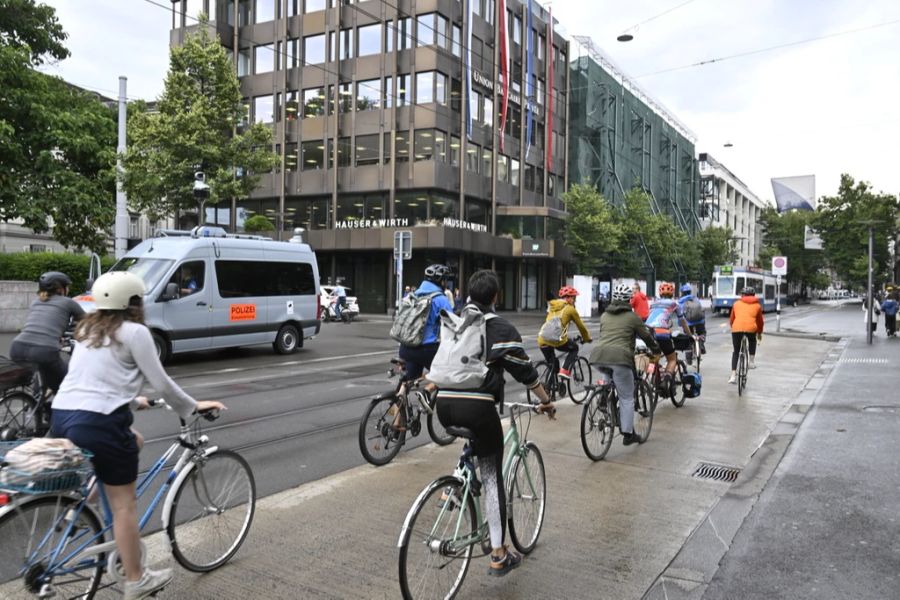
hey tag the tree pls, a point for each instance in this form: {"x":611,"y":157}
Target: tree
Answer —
{"x":258,"y":223}
{"x":194,"y":130}
{"x":57,"y":143}
{"x":841,"y":222}
{"x":784,"y":235}
{"x":592,"y":232}
{"x":714,"y":247}
{"x":653,"y":238}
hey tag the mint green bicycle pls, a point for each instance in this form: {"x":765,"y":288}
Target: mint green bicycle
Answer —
{"x":446,"y":524}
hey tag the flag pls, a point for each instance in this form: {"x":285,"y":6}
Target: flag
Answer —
{"x":795,"y":193}
{"x":468,"y":55}
{"x":529,"y":70}
{"x":549,"y":119}
{"x":504,"y":67}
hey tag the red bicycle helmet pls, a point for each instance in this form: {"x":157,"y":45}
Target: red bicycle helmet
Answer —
{"x":567,"y":291}
{"x":666,"y":289}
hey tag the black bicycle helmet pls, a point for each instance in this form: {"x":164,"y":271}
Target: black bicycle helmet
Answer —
{"x":437,"y":273}
{"x":748,"y":291}
{"x":53,"y":280}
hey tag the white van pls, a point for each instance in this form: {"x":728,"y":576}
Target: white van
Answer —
{"x":207,"y":289}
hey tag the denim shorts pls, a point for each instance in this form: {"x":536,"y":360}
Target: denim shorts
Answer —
{"x":108,"y":437}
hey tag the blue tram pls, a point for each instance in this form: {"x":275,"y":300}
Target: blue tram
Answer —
{"x":729,"y":280}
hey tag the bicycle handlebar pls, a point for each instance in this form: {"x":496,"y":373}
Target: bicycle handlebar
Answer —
{"x":210,"y":414}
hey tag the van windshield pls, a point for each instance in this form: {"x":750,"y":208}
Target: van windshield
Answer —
{"x":151,"y":270}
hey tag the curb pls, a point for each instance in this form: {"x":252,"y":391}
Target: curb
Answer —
{"x":823,"y":337}
{"x":696,"y":563}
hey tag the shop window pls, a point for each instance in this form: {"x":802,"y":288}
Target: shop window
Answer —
{"x":425,"y":87}
{"x":314,"y":49}
{"x":263,"y":109}
{"x":411,"y":206}
{"x":454,"y":151}
{"x":486,"y":162}
{"x":368,"y":94}
{"x":473,"y":154}
{"x":313,"y":102}
{"x":440,"y":146}
{"x":368,"y":39}
{"x":366,"y":150}
{"x":312,"y":153}
{"x":444,"y":206}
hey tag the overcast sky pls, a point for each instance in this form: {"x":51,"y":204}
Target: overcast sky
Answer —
{"x":823,"y":108}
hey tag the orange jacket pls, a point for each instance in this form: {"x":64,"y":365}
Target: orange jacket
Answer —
{"x":747,"y":315}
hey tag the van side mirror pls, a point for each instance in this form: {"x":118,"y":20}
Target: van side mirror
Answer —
{"x":88,"y":284}
{"x":170,"y":293}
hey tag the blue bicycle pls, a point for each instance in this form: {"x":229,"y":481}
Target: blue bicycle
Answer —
{"x":57,"y":544}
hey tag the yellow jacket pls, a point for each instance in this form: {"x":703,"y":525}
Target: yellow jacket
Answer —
{"x":567,"y":314}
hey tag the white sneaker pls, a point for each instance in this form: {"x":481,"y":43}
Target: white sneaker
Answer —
{"x":732,"y":379}
{"x":752,"y":364}
{"x":150,"y":582}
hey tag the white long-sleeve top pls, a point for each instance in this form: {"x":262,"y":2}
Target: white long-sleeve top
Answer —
{"x":103,"y":379}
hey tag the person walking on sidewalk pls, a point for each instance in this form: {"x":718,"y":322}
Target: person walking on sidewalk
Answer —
{"x":639,"y":302}
{"x":746,"y":321}
{"x":554,"y":333}
{"x":876,"y":312}
{"x":889,"y":308}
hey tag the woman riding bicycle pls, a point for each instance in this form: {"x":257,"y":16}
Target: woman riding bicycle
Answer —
{"x":474,"y":410}
{"x":114,"y":353}
{"x":554,"y":334}
{"x":746,"y":321}
{"x":48,"y":319}
{"x":619,"y":326}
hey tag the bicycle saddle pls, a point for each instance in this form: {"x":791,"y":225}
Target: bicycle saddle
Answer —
{"x":605,"y":370}
{"x":398,"y":361}
{"x":463,"y":432}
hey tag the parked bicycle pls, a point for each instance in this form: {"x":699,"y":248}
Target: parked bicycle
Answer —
{"x":600,"y":415}
{"x":556,"y":386}
{"x":391,"y":416}
{"x":57,"y":544}
{"x":446,"y":524}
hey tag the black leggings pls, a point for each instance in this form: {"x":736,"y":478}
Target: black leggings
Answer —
{"x":736,"y":337}
{"x":47,"y":360}
{"x":571,"y":347}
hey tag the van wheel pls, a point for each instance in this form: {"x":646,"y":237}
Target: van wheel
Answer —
{"x":287,"y":341}
{"x":162,"y":347}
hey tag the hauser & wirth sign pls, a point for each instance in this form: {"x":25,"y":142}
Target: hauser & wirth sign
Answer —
{"x":404,"y":222}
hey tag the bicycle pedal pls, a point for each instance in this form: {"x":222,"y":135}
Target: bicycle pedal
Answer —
{"x":475,"y":486}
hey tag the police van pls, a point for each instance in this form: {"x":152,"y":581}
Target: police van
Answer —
{"x":208,"y":289}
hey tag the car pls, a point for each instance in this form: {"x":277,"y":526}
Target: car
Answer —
{"x":349,"y":312}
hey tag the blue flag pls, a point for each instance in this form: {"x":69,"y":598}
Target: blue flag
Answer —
{"x":529,"y":76}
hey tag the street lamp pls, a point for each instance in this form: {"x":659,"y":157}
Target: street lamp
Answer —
{"x":870,"y":296}
{"x":201,"y":195}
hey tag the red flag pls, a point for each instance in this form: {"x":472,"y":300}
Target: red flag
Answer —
{"x":504,"y":67}
{"x":549,"y":119}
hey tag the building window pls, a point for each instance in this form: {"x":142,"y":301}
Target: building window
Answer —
{"x":443,"y":31}
{"x":515,"y":77}
{"x":243,"y":62}
{"x":192,"y":10}
{"x":368,"y":39}
{"x":405,"y":33}
{"x":344,"y":152}
{"x":455,"y":94}
{"x":401,"y":142}
{"x":514,"y":171}
{"x":478,"y":212}
{"x":489,"y":12}
{"x":539,"y":91}
{"x":542,"y":48}
{"x":243,"y":13}
{"x":473,"y":157}
{"x":411,"y":206}
{"x":425,"y":87}
{"x":313,"y":5}
{"x":440,"y":146}
{"x":454,"y":151}
{"x":443,"y":207}
{"x":424,"y":144}
{"x":551,"y":185}
{"x":313,"y":155}
{"x":314,"y":49}
{"x":313,"y":102}
{"x":529,"y":177}
{"x":263,"y":59}
{"x":265,"y":11}
{"x":404,"y":91}
{"x":486,"y":162}
{"x":292,"y":60}
{"x":476,"y":107}
{"x":368,"y":94}
{"x":245,"y":113}
{"x":440,"y":88}
{"x":366,"y":150}
{"x":457,"y":40}
{"x":388,"y":37}
{"x":388,"y":97}
{"x":488,"y":111}
{"x":293,"y":7}
{"x":425,"y":31}
{"x":539,"y":181}
{"x":290,"y":106}
{"x":346,"y":40}
{"x":345,"y":98}
{"x":263,"y":109}
{"x":476,"y":7}
{"x":517,"y":30}
{"x":477,"y":53}
{"x":290,"y":156}
{"x":503,"y":168}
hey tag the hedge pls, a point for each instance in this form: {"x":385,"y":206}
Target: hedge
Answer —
{"x":28,"y":266}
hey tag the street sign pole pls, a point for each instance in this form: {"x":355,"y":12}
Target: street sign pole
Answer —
{"x":402,"y":251}
{"x":778,"y":303}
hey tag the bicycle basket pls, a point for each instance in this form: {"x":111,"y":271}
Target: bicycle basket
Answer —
{"x":13,"y":374}
{"x":40,"y":469}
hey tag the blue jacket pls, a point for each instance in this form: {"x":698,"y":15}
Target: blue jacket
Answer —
{"x":889,"y":307}
{"x":438,"y":303}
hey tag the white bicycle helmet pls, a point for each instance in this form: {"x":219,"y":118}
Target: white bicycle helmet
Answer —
{"x":114,"y":290}
{"x":622,"y":293}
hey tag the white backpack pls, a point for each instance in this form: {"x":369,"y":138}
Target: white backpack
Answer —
{"x":460,"y":362}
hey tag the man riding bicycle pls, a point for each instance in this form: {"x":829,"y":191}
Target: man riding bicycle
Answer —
{"x":663,"y":313}
{"x":418,"y":358}
{"x":474,"y":410}
{"x":619,"y":326}
{"x":694,"y":314}
{"x":554,"y":334}
{"x":746,"y":321}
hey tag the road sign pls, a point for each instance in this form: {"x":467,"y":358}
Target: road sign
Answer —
{"x":779,"y":265}
{"x":403,"y":244}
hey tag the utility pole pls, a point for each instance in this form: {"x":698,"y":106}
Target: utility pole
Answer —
{"x":121,"y":230}
{"x":870,"y":291}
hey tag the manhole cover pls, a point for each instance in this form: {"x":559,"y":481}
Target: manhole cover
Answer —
{"x":864,"y":361}
{"x":716,"y":472}
{"x":882,"y":409}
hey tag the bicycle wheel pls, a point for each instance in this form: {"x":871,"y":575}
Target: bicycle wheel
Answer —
{"x":379,"y":439}
{"x":212,"y":511}
{"x":643,"y":410}
{"x":526,"y":498}
{"x":14,"y":409}
{"x":432,"y":563}
{"x":597,"y":429}
{"x":678,"y":396}
{"x":581,"y":377}
{"x":741,"y":372}
{"x":31,"y":533}
{"x":545,"y":376}
{"x":437,"y":432}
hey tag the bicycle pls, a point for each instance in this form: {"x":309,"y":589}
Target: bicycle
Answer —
{"x":600,"y":415}
{"x":743,"y":364}
{"x":692,"y":355}
{"x":446,"y":522}
{"x":390,"y":416}
{"x":56,"y":543}
{"x":580,"y":375}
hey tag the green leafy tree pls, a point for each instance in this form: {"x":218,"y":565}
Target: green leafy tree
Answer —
{"x":592,"y":232}
{"x":193,"y":130}
{"x":258,"y":223}
{"x":714,"y":246}
{"x":653,"y":238}
{"x":783,"y":235}
{"x":841,"y":222}
{"x":57,"y":143}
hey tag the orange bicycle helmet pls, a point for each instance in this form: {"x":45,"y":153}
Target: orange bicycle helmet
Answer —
{"x":567,"y":291}
{"x":666,"y":289}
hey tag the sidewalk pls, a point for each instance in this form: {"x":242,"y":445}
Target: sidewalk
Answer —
{"x":826,"y":523}
{"x":611,"y":527}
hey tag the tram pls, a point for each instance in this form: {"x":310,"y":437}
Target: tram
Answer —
{"x":729,"y":280}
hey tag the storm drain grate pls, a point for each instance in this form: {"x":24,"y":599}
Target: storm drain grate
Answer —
{"x":864,"y":361}
{"x":716,"y":472}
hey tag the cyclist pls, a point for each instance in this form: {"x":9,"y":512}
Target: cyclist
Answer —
{"x":48,"y":319}
{"x":554,"y":334}
{"x":474,"y":409}
{"x":615,"y":350}
{"x":418,"y":358}
{"x":113,"y":354}
{"x":694,"y":313}
{"x":746,"y":321}
{"x":663,"y":312}
{"x":340,"y":302}
{"x":889,"y":308}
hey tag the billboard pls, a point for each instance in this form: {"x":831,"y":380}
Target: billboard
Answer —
{"x":811,"y":239}
{"x":795,"y":193}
